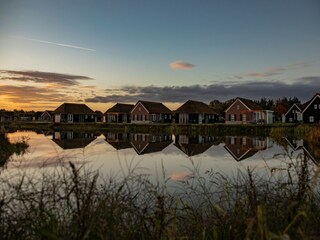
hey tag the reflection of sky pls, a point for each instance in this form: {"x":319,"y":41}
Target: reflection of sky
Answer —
{"x":99,"y":155}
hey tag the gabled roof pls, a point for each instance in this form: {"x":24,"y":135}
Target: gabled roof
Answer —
{"x":194,"y":107}
{"x":120,"y":108}
{"x":307,"y":104}
{"x":153,"y":107}
{"x":251,"y":105}
{"x":299,"y":106}
{"x":74,"y":108}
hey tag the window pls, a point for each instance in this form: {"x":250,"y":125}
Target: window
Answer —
{"x":139,"y":109}
{"x":238,"y":107}
{"x":86,"y":116}
{"x":154,"y":117}
{"x":165,"y":116}
{"x":315,"y":106}
{"x":311,"y":118}
{"x":70,"y":117}
{"x":232,"y":117}
{"x":244,"y":141}
{"x":169,"y":116}
{"x":244,"y":117}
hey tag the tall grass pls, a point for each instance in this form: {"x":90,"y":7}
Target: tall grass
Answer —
{"x":74,"y":203}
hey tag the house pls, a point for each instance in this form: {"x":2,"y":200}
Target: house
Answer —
{"x":149,"y":143}
{"x":193,"y":145}
{"x":74,"y":113}
{"x":99,"y":116}
{"x":243,"y":147}
{"x":119,"y":113}
{"x":150,"y":112}
{"x":195,"y":112}
{"x":6,"y":116}
{"x":44,"y":116}
{"x":309,"y":112}
{"x":294,"y":113}
{"x":244,"y":111}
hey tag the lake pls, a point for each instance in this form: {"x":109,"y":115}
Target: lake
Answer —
{"x":162,"y":156}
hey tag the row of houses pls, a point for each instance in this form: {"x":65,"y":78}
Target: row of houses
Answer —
{"x":240,"y":111}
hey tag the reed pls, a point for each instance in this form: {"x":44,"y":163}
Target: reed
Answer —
{"x":75,"y":203}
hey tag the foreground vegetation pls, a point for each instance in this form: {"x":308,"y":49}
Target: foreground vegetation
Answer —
{"x":73,"y":203}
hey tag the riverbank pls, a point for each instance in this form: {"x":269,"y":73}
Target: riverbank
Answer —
{"x":218,"y":129}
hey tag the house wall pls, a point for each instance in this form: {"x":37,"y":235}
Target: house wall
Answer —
{"x":312,"y":113}
{"x":238,"y":114}
{"x":292,"y":116}
{"x":140,"y":115}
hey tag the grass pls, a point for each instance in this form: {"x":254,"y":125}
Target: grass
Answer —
{"x":74,"y":203}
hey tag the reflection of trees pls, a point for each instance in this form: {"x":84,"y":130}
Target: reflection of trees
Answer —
{"x":7,"y":148}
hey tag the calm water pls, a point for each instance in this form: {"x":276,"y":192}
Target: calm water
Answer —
{"x":174,"y":157}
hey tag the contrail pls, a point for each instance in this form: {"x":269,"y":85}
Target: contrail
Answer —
{"x":58,"y":44}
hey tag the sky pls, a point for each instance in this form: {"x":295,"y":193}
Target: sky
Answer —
{"x":103,"y":52}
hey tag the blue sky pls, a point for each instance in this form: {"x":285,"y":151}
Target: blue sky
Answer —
{"x":101,"y":52}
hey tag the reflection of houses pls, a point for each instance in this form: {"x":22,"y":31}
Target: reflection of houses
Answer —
{"x":150,"y":112}
{"x":245,"y":147}
{"x":74,"y":113}
{"x":72,"y":140}
{"x":193,"y":145}
{"x":243,"y":111}
{"x":119,"y":113}
{"x":118,"y":140}
{"x":149,"y":143}
{"x":194,"y":112}
{"x":310,"y":149}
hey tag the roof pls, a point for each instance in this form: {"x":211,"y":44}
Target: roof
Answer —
{"x":120,"y":108}
{"x":74,"y":108}
{"x":194,"y":107}
{"x":308,"y":103}
{"x":248,"y":103}
{"x":154,"y":107}
{"x":299,"y":106}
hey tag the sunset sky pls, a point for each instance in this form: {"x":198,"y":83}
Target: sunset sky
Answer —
{"x":108,"y":51}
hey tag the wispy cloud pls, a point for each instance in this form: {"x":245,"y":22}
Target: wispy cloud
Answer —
{"x":272,"y":71}
{"x":57,"y":44}
{"x":303,"y":88}
{"x":42,"y":77}
{"x":181,"y":65}
{"x":30,"y":94}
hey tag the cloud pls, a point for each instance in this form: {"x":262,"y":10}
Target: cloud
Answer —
{"x":57,"y":44}
{"x":42,"y":77}
{"x":30,"y":94}
{"x":181,"y":65}
{"x":303,"y":88}
{"x":272,"y":71}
